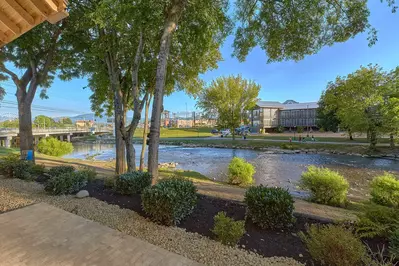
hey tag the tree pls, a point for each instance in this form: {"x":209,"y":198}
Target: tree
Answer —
{"x":327,"y":119}
{"x":192,"y":30}
{"x":66,"y":121}
{"x":10,"y":123}
{"x":232,"y":97}
{"x":43,"y":121}
{"x":38,"y":53}
{"x":390,"y":108}
{"x":360,"y":101}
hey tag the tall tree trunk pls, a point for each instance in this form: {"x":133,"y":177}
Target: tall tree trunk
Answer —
{"x":145,"y":130}
{"x":350,"y":134}
{"x":173,"y":14}
{"x":25,"y":127}
{"x":120,"y":164}
{"x":130,"y":154}
{"x":391,"y":141}
{"x":373,"y":139}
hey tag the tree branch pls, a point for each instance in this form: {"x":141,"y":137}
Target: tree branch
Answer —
{"x":13,"y":76}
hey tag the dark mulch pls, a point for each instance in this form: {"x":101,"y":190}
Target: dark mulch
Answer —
{"x":266,"y":242}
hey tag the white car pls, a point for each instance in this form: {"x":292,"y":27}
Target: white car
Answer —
{"x":225,"y":133}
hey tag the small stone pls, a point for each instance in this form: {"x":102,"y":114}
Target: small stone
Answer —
{"x":243,"y":246}
{"x":300,"y":255}
{"x":294,"y":234}
{"x":82,"y":194}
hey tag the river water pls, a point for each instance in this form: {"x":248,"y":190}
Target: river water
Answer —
{"x":282,"y":170}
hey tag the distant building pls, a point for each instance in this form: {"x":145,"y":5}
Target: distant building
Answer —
{"x":290,"y":114}
{"x":84,"y":123}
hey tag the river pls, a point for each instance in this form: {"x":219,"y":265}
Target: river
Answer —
{"x":282,"y":170}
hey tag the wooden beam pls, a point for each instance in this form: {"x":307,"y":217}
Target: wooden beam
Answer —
{"x":9,"y":24}
{"x":3,"y":37}
{"x":51,"y":5}
{"x":21,"y":11}
{"x":41,"y":8}
{"x":57,"y":17}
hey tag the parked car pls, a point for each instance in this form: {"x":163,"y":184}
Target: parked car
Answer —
{"x":214,"y":131}
{"x":225,"y":133}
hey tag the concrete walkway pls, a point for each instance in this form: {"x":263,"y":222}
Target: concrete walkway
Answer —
{"x":44,"y":235}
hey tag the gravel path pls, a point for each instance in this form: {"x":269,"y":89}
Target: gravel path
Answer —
{"x":15,"y":193}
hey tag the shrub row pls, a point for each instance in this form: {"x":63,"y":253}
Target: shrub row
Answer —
{"x":132,"y":183}
{"x":11,"y":166}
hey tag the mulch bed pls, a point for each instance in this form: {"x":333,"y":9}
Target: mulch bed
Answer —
{"x":268,"y":243}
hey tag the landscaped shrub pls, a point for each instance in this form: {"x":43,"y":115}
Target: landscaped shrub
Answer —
{"x":325,"y":186}
{"x":109,"y":182}
{"x":299,"y":129}
{"x":7,"y":164}
{"x":132,"y":183}
{"x":269,"y":207}
{"x":66,"y":183}
{"x":241,"y":172}
{"x":169,"y":201}
{"x":280,"y":129}
{"x":394,"y":244}
{"x":385,"y":190}
{"x":90,"y":172}
{"x":227,"y":230}
{"x":53,"y":147}
{"x":376,"y":220}
{"x":38,"y":169}
{"x":62,"y":169}
{"x":23,"y":170}
{"x":333,"y":245}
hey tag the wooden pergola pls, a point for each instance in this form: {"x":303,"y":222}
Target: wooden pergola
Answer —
{"x":20,"y":16}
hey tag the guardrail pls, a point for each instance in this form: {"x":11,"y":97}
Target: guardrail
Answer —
{"x":56,"y":130}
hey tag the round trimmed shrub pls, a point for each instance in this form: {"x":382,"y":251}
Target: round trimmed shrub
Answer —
{"x":62,"y":169}
{"x":54,"y":147}
{"x":385,"y":190}
{"x":23,"y":170}
{"x":227,"y":230}
{"x":169,"y":201}
{"x":7,"y":164}
{"x":90,"y":172}
{"x":66,"y":183}
{"x":325,"y":186}
{"x":132,"y":183}
{"x":333,"y":245}
{"x":241,"y":172}
{"x":270,"y":207}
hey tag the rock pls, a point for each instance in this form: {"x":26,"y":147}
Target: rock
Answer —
{"x":300,"y":255}
{"x":294,"y":234}
{"x":243,"y":246}
{"x":82,"y":194}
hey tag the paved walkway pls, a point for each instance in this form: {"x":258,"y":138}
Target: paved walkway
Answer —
{"x":44,"y":235}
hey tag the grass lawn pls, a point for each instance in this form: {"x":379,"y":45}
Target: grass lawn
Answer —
{"x":179,"y":132}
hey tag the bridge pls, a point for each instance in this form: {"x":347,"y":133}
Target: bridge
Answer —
{"x":10,"y":136}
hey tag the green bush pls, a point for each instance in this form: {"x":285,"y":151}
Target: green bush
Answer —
{"x":132,"y":183}
{"x":325,"y":186}
{"x":90,"y":172}
{"x":227,"y":230}
{"x":280,"y":129}
{"x":38,"y":169}
{"x":376,"y":220}
{"x":333,"y":245}
{"x":62,"y":169}
{"x":53,"y":147}
{"x":299,"y":129}
{"x":394,"y":244}
{"x":241,"y":172}
{"x":109,"y":182}
{"x":169,"y":201}
{"x":23,"y":170}
{"x":269,"y":207}
{"x":385,"y":190}
{"x":7,"y":164}
{"x":66,"y":183}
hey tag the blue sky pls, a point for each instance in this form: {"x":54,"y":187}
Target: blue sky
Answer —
{"x":300,"y":81}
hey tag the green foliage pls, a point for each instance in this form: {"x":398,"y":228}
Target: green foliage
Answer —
{"x":280,"y":129}
{"x":53,"y":147}
{"x":38,"y":169}
{"x":132,"y":183}
{"x":90,"y":172}
{"x":287,"y":146}
{"x":227,"y":230}
{"x":385,"y":190}
{"x":325,"y":186}
{"x":394,"y":244}
{"x":269,"y":207}
{"x":230,"y":98}
{"x":109,"y":182}
{"x":333,"y":245}
{"x":299,"y":129}
{"x":66,"y":183}
{"x":241,"y":172}
{"x":377,"y":220}
{"x":43,"y":121}
{"x":170,"y":201}
{"x":10,"y":124}
{"x":7,"y":164}
{"x":327,"y":119}
{"x":291,"y":30}
{"x":23,"y":170}
{"x":62,"y":169}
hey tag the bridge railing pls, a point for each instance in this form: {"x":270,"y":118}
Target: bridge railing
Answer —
{"x":56,"y":130}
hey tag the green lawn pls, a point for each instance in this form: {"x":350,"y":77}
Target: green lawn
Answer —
{"x":5,"y":151}
{"x":179,"y":132}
